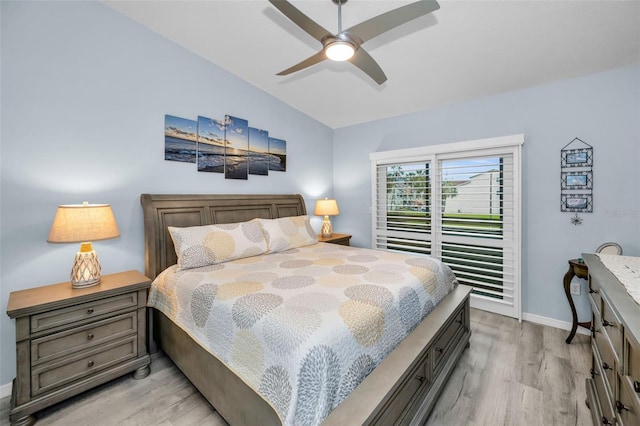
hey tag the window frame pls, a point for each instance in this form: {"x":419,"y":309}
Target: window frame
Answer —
{"x":432,"y":154}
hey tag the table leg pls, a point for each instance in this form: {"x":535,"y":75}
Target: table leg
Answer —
{"x":567,"y":291}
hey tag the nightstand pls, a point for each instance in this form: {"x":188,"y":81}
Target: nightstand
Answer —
{"x":342,"y":239}
{"x":71,"y":340}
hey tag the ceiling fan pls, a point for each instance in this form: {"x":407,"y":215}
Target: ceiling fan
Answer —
{"x":347,"y":45}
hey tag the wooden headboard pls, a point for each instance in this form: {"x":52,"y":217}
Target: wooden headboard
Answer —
{"x":161,"y":211}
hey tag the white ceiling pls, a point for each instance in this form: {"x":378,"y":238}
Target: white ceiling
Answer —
{"x":464,"y":50}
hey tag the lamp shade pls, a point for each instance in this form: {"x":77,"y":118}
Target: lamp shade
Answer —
{"x":77,"y":223}
{"x":326,"y":207}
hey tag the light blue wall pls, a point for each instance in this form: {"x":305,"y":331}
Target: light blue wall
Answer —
{"x":84,"y":93}
{"x":601,"y":109}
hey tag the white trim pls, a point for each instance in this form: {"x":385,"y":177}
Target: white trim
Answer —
{"x":552,"y":322}
{"x":5,"y":390}
{"x":477,"y":144}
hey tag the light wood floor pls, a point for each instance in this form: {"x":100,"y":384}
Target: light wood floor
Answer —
{"x":513,"y":374}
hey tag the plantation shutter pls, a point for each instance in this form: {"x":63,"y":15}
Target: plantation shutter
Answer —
{"x":403,"y":214}
{"x":459,"y":205}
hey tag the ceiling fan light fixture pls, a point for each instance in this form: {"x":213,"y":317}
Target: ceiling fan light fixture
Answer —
{"x":339,"y":50}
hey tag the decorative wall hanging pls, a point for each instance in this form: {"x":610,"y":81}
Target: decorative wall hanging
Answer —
{"x":180,"y":139}
{"x":226,"y":146}
{"x":278,"y":151}
{"x":576,"y":179}
{"x":210,"y":145}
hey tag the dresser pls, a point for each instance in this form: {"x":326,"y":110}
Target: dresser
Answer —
{"x":613,"y":391}
{"x":70,"y":340}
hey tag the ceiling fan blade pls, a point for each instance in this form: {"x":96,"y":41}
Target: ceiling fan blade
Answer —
{"x":311,"y":60}
{"x":382,"y":23}
{"x":300,"y":19}
{"x":366,"y":63}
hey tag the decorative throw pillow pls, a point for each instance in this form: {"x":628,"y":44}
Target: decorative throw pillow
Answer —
{"x":288,"y":232}
{"x":198,"y":246}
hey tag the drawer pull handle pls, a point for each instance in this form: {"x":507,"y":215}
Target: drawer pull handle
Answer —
{"x":620,"y":406}
{"x":89,"y":311}
{"x":594,"y":373}
{"x":606,"y":323}
{"x":636,"y":386}
{"x":420,"y":379}
{"x":606,"y":421}
{"x":606,"y":366}
{"x":439,"y":350}
{"x":90,"y":336}
{"x":90,"y":364}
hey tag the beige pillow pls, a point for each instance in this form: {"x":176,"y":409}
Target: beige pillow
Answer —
{"x":288,"y":232}
{"x":198,"y":246}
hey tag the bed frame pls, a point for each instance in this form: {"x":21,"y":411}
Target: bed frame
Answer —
{"x":401,"y":390}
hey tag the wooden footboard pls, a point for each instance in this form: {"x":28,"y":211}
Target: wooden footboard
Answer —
{"x":406,"y":384}
{"x":401,"y":390}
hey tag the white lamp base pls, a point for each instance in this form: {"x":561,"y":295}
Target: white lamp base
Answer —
{"x":326,"y":230}
{"x":86,"y":270}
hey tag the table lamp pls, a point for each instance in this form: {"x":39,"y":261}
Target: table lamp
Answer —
{"x":83,"y":223}
{"x":326,"y":208}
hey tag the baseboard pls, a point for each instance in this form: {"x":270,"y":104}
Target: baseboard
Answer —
{"x":5,"y":390}
{"x":551,"y":322}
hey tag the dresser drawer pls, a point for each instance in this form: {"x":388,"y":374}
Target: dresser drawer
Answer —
{"x":628,"y":404}
{"x":633,"y":361}
{"x":404,"y":399}
{"x":603,"y":355}
{"x":602,"y":391}
{"x":612,"y":327}
{"x":96,"y":333}
{"x":83,"y":312}
{"x":57,"y":373}
{"x":445,"y":342}
{"x":594,"y":297}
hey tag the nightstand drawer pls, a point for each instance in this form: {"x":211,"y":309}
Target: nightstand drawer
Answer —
{"x":86,"y":311}
{"x":53,"y":374}
{"x":67,"y":342}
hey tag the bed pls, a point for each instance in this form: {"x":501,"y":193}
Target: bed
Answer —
{"x":401,"y":389}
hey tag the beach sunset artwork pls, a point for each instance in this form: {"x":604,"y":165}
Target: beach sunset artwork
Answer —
{"x":180,"y":139}
{"x":236,"y":161}
{"x":258,"y":152}
{"x":211,"y":144}
{"x":278,"y":155}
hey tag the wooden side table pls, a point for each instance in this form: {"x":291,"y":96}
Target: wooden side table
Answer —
{"x":342,"y":239}
{"x":577,"y":268}
{"x":71,"y":340}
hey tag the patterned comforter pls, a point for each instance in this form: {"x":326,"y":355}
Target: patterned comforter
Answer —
{"x":303,"y":327}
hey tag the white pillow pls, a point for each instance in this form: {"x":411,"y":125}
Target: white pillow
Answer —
{"x":198,"y":246}
{"x":288,"y":232}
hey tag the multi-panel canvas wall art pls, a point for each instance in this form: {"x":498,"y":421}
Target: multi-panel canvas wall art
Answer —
{"x":180,"y":139}
{"x":278,"y":155}
{"x":226,"y":146}
{"x":258,"y":151}
{"x":236,"y":156}
{"x":211,"y":145}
